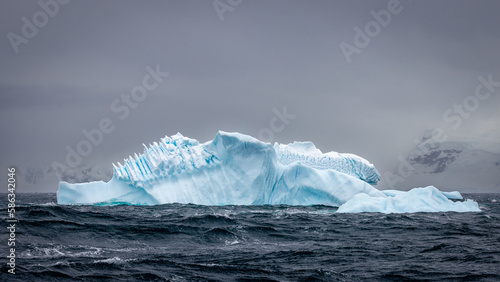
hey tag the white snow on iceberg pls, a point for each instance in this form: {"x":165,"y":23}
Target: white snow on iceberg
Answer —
{"x":236,"y":169}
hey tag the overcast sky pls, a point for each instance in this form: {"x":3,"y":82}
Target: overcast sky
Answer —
{"x":232,"y":63}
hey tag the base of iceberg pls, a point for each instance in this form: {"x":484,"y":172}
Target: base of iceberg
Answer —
{"x":236,"y":169}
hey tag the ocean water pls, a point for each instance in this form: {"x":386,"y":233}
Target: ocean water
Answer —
{"x":240,"y":243}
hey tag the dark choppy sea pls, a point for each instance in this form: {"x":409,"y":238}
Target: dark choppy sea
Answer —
{"x":285,"y":243}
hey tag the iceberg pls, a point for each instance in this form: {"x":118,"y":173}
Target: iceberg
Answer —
{"x":232,"y":169}
{"x":235,"y":169}
{"x":455,"y":195}
{"x":428,"y":199}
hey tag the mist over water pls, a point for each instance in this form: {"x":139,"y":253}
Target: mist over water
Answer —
{"x":192,"y":242}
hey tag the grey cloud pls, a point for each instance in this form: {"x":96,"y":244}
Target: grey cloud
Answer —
{"x":229,"y":75}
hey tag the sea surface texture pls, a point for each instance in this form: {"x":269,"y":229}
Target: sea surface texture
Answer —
{"x":177,"y":242}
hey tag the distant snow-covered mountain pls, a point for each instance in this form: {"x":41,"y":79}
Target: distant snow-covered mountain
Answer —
{"x":453,"y":165}
{"x":46,"y":179}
